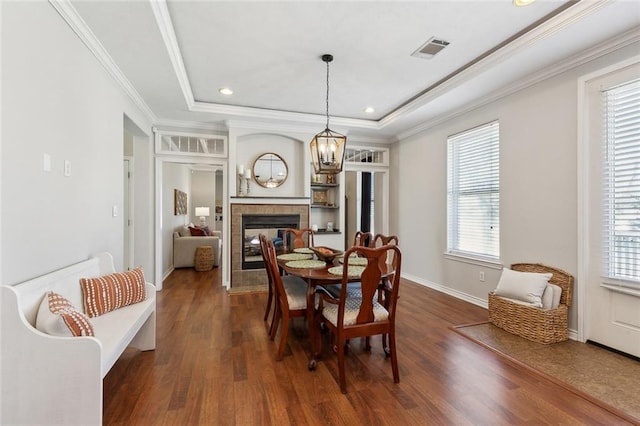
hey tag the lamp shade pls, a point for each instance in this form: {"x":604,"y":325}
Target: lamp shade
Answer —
{"x":327,"y":152}
{"x":202,"y":211}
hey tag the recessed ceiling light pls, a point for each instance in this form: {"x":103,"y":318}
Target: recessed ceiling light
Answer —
{"x":225,"y":91}
{"x":369,"y":110}
{"x":522,"y":2}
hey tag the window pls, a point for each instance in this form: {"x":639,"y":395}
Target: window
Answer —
{"x":621,"y":179}
{"x":473,"y":193}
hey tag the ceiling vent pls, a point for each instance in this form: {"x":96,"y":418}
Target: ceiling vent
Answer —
{"x":430,"y":48}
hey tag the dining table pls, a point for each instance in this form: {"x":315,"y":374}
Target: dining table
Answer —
{"x":320,"y":275}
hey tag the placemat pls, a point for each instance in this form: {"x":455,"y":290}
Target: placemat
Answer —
{"x":294,"y":256}
{"x":306,"y":264}
{"x":352,"y":271}
{"x":305,"y":250}
{"x":358,"y":261}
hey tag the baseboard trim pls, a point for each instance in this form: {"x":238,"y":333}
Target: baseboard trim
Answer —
{"x":573,"y":334}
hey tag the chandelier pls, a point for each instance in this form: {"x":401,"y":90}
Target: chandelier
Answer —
{"x":328,"y":147}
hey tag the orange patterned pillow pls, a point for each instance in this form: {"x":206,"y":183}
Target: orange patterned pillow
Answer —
{"x":109,"y":292}
{"x":58,"y":317}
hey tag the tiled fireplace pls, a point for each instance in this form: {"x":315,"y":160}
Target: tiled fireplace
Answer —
{"x":246,"y":263}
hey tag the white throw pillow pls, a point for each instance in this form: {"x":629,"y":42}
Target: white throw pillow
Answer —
{"x":557,"y":293}
{"x":525,"y":286}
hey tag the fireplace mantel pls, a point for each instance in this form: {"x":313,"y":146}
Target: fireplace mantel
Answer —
{"x":270,"y":200}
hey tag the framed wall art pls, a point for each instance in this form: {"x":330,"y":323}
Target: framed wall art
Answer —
{"x":179,"y":202}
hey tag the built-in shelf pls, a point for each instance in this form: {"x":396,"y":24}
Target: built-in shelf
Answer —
{"x":324,"y":231}
{"x":322,"y":206}
{"x":324,"y":185}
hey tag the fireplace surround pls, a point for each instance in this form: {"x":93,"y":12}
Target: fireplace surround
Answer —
{"x":242,"y":277}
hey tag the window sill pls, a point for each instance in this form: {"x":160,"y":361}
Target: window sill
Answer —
{"x":493,"y":264}
{"x":629,"y":290}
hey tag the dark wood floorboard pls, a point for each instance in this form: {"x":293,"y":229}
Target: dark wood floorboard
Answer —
{"x":215,"y":365}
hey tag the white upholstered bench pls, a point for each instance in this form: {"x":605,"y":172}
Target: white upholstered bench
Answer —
{"x":47,"y":379}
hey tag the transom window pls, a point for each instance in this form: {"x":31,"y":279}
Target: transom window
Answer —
{"x":473,"y":193}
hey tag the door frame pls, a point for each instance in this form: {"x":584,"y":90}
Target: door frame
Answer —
{"x":160,"y":161}
{"x":584,"y":187}
{"x":127,"y":213}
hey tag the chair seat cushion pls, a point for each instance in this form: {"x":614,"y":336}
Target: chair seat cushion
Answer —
{"x":351,"y":309}
{"x":296,"y":289}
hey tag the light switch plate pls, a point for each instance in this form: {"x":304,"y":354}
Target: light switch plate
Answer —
{"x":46,"y":162}
{"x":67,"y":168}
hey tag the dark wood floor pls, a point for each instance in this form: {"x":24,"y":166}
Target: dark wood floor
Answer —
{"x":215,"y":365}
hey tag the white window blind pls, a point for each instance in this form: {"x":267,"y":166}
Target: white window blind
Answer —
{"x":621,"y":179}
{"x":473,"y":195}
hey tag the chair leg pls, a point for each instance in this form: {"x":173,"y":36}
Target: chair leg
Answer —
{"x":269,"y":301}
{"x":341,"y":376}
{"x":394,"y":356}
{"x":283,"y":336}
{"x":273,"y":328}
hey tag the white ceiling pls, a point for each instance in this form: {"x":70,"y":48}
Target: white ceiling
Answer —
{"x":175,"y":55}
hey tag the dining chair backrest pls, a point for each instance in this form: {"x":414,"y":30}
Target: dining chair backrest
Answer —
{"x":297,"y":238}
{"x":370,"y":280}
{"x":271,"y":264}
{"x":382,"y":240}
{"x":363,"y":239}
{"x":263,"y":248}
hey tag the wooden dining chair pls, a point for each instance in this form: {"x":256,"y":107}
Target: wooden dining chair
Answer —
{"x":297,"y":238}
{"x":272,"y":298}
{"x":363,"y":239}
{"x":349,"y":317}
{"x":383,"y":292}
{"x":291,"y":293}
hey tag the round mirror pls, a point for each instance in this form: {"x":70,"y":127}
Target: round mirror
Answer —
{"x":270,"y":170}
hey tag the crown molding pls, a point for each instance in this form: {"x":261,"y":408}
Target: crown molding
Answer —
{"x":609,"y":46}
{"x":165,"y":25}
{"x":69,"y":14}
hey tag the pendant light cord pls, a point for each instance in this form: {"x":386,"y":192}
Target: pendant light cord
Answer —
{"x":327,"y":95}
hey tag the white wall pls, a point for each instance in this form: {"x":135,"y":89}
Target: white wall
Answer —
{"x":203,"y":186}
{"x":293,"y":151}
{"x":538,"y":177}
{"x":57,"y":99}
{"x":174,"y":176}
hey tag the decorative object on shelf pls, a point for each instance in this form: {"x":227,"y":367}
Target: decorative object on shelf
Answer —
{"x":316,"y":179}
{"x":244,"y":176}
{"x":270,"y":170}
{"x":329,"y":226}
{"x":314,"y":227}
{"x":203,"y":214}
{"x":331,"y":179}
{"x":320,"y":197}
{"x":328,"y":147}
{"x":179,"y":202}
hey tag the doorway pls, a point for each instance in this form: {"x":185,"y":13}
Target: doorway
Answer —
{"x":210,"y":190}
{"x":366,"y":202}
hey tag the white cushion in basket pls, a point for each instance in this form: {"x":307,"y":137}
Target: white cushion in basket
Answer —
{"x":551,"y":296}
{"x":525,"y":286}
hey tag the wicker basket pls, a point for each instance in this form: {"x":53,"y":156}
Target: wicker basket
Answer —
{"x":536,"y":324}
{"x":204,"y":258}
